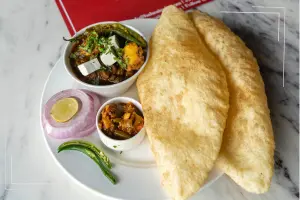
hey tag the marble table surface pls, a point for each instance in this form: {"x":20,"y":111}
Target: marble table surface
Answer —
{"x":31,"y":42}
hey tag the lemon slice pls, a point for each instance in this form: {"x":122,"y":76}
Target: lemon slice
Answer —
{"x":64,"y":109}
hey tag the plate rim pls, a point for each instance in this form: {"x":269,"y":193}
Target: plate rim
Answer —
{"x":95,"y":192}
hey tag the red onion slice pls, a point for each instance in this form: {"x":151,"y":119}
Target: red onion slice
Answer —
{"x":82,"y":124}
{"x":97,"y":100}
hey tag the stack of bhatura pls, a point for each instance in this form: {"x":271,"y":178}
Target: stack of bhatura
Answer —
{"x":204,"y":104}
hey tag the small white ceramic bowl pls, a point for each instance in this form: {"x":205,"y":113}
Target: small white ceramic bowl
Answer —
{"x":104,"y":90}
{"x":121,"y":145}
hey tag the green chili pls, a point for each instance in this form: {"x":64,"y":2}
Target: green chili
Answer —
{"x":93,"y":156}
{"x":91,"y":147}
{"x":122,"y":31}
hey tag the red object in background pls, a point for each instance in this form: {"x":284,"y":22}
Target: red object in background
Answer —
{"x":79,"y":14}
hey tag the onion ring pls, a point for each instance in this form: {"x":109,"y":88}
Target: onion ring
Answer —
{"x":82,"y":124}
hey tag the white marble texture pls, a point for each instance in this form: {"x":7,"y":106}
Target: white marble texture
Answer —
{"x":31,"y":42}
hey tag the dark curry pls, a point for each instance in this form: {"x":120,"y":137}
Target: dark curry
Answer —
{"x":118,"y":51}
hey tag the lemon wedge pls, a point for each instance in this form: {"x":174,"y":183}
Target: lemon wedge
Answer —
{"x":64,"y":109}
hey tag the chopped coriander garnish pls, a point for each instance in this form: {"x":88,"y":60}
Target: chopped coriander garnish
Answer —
{"x":91,"y":41}
{"x":105,"y":68}
{"x":126,"y":60}
{"x":118,"y":53}
{"x":108,"y":50}
{"x":120,"y":62}
{"x":102,"y":50}
{"x":72,"y":55}
{"x":104,"y":44}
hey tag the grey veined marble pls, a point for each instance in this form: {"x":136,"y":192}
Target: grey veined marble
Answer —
{"x":31,"y":42}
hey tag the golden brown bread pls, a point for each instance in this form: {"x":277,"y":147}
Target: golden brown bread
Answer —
{"x":248,"y":144}
{"x":185,"y":102}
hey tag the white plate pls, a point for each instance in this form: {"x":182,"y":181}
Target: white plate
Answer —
{"x":138,"y":178}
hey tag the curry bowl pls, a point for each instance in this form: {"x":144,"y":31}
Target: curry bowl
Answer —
{"x":123,"y":143}
{"x":115,"y":83}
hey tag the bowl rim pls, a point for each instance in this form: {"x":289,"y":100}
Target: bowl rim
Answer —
{"x":81,"y":31}
{"x":128,"y":99}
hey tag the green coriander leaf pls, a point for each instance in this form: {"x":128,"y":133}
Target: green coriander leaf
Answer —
{"x":72,"y":55}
